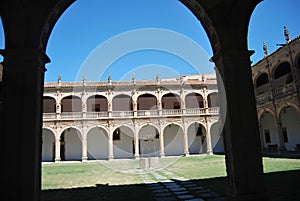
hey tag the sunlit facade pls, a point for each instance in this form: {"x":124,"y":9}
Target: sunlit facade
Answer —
{"x":131,"y":119}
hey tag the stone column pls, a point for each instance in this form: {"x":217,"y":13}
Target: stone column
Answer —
{"x":136,"y":142}
{"x":278,"y":127}
{"x":185,"y":139}
{"x":109,"y":103}
{"x":110,"y":143}
{"x":84,"y":156}
{"x":182,"y":101}
{"x":161,"y":141}
{"x":241,"y":135}
{"x":209,"y":150}
{"x":58,"y":110}
{"x":22,"y":98}
{"x":57,"y":150}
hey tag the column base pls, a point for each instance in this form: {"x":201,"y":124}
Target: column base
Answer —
{"x":210,"y":153}
{"x":110,"y":158}
{"x":186,"y":154}
{"x":57,"y":160}
{"x":84,"y":159}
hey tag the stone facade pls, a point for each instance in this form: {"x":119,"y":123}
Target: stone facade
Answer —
{"x":131,"y":119}
{"x":276,"y":81}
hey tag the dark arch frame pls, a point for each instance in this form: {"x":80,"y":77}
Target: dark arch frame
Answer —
{"x":226,"y":24}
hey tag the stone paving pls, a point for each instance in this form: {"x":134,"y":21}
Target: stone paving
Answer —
{"x":167,"y":186}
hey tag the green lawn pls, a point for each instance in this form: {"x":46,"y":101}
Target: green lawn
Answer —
{"x":121,"y":179}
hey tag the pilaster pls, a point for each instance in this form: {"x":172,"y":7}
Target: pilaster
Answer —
{"x":22,"y":93}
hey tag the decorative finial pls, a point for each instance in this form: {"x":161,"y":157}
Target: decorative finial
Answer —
{"x":109,"y":78}
{"x":133,"y":78}
{"x":58,"y":80}
{"x":157,"y":78}
{"x":286,"y":34}
{"x":84,"y":81}
{"x":202,"y":77}
{"x":58,"y":77}
{"x":265,"y":48}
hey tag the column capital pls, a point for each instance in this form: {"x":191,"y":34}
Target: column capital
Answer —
{"x":25,"y":55}
{"x":238,"y":54}
{"x":19,"y":57}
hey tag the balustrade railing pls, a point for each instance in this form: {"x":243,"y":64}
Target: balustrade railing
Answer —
{"x":71,"y":115}
{"x":122,"y":113}
{"x":49,"y":115}
{"x":198,"y":111}
{"x":147,"y":113}
{"x":96,"y":115}
{"x":132,"y":114}
{"x":171,"y":112}
{"x":277,"y":93}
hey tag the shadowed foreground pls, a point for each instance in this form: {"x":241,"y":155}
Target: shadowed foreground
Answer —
{"x":281,"y":186}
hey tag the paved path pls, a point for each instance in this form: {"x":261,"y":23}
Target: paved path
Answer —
{"x":167,"y":186}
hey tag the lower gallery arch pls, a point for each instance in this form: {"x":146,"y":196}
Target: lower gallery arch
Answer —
{"x":290,"y":120}
{"x":123,"y":139}
{"x":217,"y":141}
{"x":48,"y":145}
{"x":268,"y":129}
{"x":149,"y":141}
{"x":71,"y":146}
{"x":97,"y":144}
{"x":196,"y":138}
{"x":173,"y":140}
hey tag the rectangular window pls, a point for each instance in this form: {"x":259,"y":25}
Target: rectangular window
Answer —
{"x":267,"y":136}
{"x":117,"y":134}
{"x":285,"y":136}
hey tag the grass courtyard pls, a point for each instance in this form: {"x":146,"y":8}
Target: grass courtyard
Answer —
{"x":123,"y":179}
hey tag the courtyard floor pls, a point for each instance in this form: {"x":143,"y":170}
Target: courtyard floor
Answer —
{"x":172,"y":178}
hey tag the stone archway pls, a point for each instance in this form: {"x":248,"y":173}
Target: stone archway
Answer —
{"x":27,"y":29}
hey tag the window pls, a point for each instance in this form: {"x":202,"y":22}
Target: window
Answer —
{"x":117,"y":134}
{"x":285,"y":136}
{"x":267,"y":136}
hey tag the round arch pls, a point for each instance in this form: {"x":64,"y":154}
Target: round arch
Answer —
{"x":71,"y":145}
{"x":196,"y":132}
{"x":194,"y":100}
{"x":48,"y":144}
{"x":170,"y":101}
{"x":147,"y":101}
{"x":149,"y":140}
{"x":268,"y":128}
{"x":122,"y":102}
{"x":96,"y":103}
{"x":173,"y":139}
{"x":71,"y":103}
{"x":217,"y":140}
{"x":97,"y":143}
{"x":290,"y":124}
{"x":49,"y":104}
{"x":261,"y":80}
{"x":123,"y":140}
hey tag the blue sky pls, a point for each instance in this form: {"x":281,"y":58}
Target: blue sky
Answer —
{"x":147,"y":37}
